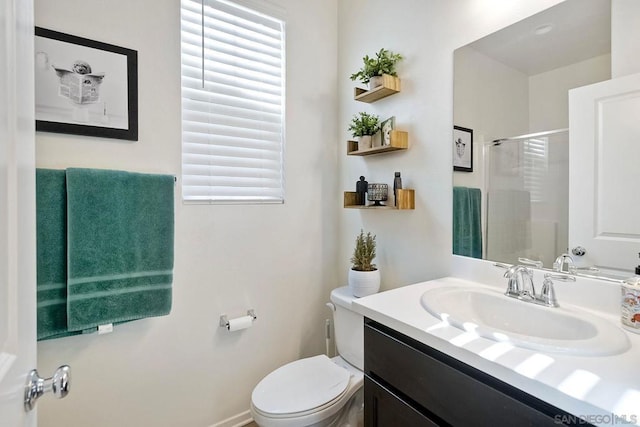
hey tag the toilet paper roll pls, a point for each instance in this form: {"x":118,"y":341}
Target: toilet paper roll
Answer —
{"x":239,"y":323}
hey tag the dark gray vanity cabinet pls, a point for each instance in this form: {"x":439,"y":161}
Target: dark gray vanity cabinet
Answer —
{"x":408,"y":383}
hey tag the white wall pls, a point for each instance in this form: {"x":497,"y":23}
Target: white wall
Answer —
{"x":412,"y":245}
{"x":182,"y":369}
{"x":493,"y":100}
{"x":625,"y":37}
{"x":549,"y":91}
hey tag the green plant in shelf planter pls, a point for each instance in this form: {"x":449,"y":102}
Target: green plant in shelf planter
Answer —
{"x":363,"y":124}
{"x":384,"y":63}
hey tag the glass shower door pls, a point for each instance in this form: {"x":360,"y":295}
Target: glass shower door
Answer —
{"x":527,"y":184}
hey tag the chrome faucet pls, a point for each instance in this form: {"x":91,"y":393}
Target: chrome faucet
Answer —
{"x":563,"y":264}
{"x":520,"y":285}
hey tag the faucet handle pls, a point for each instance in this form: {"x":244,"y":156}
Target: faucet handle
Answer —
{"x":548,"y":293}
{"x":561,"y":277}
{"x":575,"y":270}
{"x":501,"y":265}
{"x":533,"y":262}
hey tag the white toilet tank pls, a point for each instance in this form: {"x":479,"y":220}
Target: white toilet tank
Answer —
{"x":349,"y":328}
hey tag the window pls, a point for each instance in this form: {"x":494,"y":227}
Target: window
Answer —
{"x":232,"y":103}
{"x":536,"y":162}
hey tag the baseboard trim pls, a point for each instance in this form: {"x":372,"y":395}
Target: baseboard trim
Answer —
{"x":240,"y":420}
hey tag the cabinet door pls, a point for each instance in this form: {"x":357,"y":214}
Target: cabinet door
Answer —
{"x":446,"y":389}
{"x":384,"y":409}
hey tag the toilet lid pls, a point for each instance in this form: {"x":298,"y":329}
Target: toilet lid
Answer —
{"x":300,"y":386}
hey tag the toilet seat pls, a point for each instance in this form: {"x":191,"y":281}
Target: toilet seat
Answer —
{"x":301,"y":387}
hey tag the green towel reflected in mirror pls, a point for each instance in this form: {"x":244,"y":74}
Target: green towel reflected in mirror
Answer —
{"x":467,"y":224}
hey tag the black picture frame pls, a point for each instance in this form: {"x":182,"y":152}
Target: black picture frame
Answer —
{"x":74,"y":98}
{"x":462,"y":149}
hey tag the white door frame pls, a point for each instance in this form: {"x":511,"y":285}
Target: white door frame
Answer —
{"x":17,"y":211}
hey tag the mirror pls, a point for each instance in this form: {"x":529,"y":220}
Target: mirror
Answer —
{"x":511,"y":98}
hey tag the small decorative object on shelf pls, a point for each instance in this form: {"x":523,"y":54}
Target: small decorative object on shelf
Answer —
{"x":363,"y":126}
{"x":364,"y":277}
{"x":406,"y":199}
{"x":361,"y":191}
{"x":397,"y":185}
{"x":378,"y":193}
{"x":371,"y":72}
{"x":385,"y":128}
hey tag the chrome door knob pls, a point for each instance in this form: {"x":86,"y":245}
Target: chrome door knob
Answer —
{"x":59,"y":384}
{"x":578,"y":251}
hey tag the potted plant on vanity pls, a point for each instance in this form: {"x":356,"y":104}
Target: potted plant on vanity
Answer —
{"x":363,"y":126}
{"x":364,"y":277}
{"x":371,"y":73}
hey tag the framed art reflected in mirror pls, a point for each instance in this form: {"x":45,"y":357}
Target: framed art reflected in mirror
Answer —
{"x":462,"y":149}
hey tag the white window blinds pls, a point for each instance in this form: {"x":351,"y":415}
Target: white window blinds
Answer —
{"x":232,"y":103}
{"x":536,"y":162}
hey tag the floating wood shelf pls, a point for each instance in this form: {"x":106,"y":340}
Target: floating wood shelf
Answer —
{"x":390,"y":85}
{"x":399,"y":141}
{"x":406,"y":201}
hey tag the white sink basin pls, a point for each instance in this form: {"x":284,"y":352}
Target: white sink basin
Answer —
{"x":492,"y":315}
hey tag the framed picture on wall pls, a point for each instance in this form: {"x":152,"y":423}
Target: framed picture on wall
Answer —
{"x":462,"y":149}
{"x":386,"y":127}
{"x":85,"y":87}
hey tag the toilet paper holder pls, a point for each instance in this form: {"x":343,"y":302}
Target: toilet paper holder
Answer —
{"x":224,"y":320}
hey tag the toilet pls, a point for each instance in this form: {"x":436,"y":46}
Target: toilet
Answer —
{"x":318,"y":391}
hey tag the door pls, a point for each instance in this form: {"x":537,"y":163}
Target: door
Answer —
{"x":17,"y":211}
{"x":604,"y":191}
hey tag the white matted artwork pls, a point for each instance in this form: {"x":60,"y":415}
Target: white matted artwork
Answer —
{"x":462,"y":149}
{"x":386,"y":127}
{"x":85,"y":87}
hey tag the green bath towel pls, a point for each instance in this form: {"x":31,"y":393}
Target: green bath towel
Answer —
{"x":467,"y":227}
{"x":51,"y":232}
{"x":120,"y":228}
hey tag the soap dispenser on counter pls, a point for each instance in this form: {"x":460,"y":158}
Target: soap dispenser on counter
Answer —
{"x":630,"y":307}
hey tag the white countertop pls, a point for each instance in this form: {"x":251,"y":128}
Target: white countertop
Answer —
{"x":599,"y":389}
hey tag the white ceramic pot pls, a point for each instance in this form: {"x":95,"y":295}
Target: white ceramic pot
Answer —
{"x":363,"y":283}
{"x":374,"y":82}
{"x":364,"y":142}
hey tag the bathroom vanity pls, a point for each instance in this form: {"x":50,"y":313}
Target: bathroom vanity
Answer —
{"x":424,"y":371}
{"x":410,"y":383}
